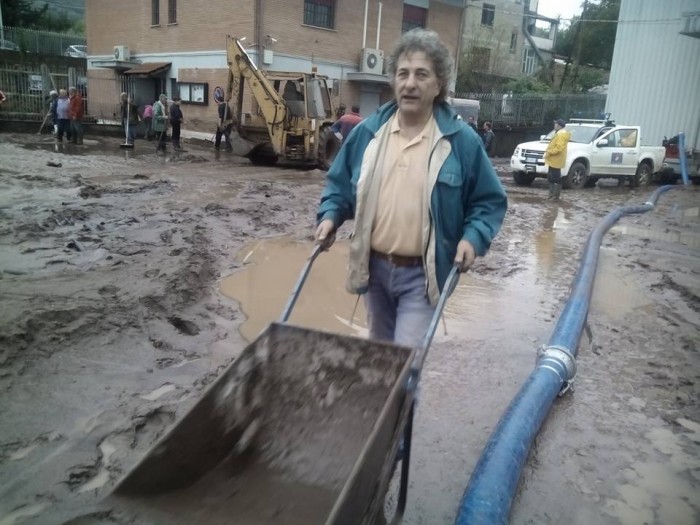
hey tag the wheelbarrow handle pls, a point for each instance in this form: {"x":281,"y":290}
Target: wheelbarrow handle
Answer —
{"x":300,"y":283}
{"x":450,"y":285}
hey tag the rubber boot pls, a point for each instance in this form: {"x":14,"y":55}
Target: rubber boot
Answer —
{"x":556,"y":192}
{"x":551,"y":192}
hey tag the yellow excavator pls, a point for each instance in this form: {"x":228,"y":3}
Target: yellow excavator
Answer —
{"x":293,"y":116}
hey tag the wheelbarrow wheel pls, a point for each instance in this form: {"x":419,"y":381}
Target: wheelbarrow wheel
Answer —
{"x":404,"y":457}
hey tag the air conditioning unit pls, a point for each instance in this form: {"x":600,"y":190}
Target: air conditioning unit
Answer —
{"x":372,"y":61}
{"x":121,"y":53}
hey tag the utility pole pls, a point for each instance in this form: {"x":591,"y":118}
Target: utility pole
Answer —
{"x":575,"y":45}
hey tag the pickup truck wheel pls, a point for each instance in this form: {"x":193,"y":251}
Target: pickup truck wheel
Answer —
{"x":577,"y":177}
{"x":591,"y":182}
{"x":523,"y":179}
{"x":328,"y":146}
{"x":643,"y":176}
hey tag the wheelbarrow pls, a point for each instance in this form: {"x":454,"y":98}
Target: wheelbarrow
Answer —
{"x":303,"y":427}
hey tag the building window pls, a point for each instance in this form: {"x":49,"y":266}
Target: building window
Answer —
{"x":529,"y":62}
{"x":488,"y":13}
{"x":319,"y":13}
{"x":155,"y":12}
{"x":192,"y":92}
{"x":413,"y":17}
{"x":513,"y":41}
{"x":172,"y":11}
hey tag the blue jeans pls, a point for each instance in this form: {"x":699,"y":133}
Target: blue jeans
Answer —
{"x":398,"y":309}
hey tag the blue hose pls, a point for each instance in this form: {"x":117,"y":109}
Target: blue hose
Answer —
{"x":489,"y":495}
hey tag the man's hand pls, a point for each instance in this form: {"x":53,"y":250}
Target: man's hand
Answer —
{"x":325,"y":234}
{"x":465,"y":255}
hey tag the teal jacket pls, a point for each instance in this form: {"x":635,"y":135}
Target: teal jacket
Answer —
{"x":467,"y":200}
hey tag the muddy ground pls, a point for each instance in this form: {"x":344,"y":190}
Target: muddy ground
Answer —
{"x":113,"y":322}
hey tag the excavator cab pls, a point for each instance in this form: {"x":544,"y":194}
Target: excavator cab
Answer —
{"x":294,"y":112}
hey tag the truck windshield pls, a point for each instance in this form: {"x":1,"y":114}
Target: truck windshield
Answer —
{"x":580,"y":134}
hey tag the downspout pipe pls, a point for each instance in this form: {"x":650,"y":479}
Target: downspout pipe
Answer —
{"x":488,"y":497}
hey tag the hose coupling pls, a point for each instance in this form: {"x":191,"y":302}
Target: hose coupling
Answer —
{"x":556,"y":358}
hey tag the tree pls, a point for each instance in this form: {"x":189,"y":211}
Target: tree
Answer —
{"x":20,"y":13}
{"x":592,"y":33}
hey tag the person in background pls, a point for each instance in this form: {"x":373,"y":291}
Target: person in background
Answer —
{"x":472,"y":124}
{"x":148,"y":122}
{"x":63,"y":116}
{"x":53,"y":97}
{"x":555,"y":158}
{"x":224,"y":126}
{"x":488,"y":139}
{"x":176,"y":121}
{"x":345,"y":124}
{"x":423,"y":195}
{"x":76,"y":116}
{"x":160,"y":121}
{"x":130,"y":117}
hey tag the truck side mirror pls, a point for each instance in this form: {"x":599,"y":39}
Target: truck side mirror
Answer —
{"x":602,"y":142}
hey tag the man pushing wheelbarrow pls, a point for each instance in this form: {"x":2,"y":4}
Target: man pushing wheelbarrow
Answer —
{"x":304,"y":426}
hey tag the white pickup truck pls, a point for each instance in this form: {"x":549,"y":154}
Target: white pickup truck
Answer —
{"x":597,"y":149}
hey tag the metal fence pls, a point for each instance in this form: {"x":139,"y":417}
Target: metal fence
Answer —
{"x":530,"y":110}
{"x":27,"y":90}
{"x":47,"y":42}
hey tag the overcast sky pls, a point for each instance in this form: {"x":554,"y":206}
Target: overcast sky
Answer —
{"x":564,"y":8}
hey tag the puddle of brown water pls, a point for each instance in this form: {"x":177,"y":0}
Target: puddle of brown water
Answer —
{"x":614,"y":293}
{"x":265,"y":282}
{"x":272,"y":266}
{"x":689,"y":238}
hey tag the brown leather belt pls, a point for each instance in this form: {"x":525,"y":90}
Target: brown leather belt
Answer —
{"x":399,"y":260}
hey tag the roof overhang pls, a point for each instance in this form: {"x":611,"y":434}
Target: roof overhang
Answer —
{"x":119,"y":65}
{"x":369,"y":78}
{"x":148,"y":69}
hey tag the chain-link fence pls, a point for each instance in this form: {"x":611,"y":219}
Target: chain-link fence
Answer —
{"x":47,"y":42}
{"x":530,"y":110}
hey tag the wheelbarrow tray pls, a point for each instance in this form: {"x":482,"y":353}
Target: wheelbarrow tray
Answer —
{"x":302,"y":427}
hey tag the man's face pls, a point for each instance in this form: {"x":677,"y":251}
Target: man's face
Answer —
{"x":415,"y":83}
{"x":557,"y":127}
{"x":471,"y":120}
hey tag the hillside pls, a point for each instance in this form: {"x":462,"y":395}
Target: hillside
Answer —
{"x":73,"y":9}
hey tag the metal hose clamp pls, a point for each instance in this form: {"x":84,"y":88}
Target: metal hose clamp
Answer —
{"x":561,"y":357}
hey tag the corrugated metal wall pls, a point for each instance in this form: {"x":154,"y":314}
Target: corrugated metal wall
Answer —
{"x":655,"y":73}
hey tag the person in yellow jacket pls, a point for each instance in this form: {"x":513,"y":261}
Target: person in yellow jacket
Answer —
{"x":555,"y":157}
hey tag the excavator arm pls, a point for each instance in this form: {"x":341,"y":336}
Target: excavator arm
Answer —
{"x":268,"y":99}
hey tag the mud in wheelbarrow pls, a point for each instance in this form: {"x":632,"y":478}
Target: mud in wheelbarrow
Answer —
{"x":302,"y":428}
{"x":298,"y":429}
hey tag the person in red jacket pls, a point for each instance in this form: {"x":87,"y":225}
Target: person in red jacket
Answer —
{"x":76,"y":115}
{"x":346,"y":123}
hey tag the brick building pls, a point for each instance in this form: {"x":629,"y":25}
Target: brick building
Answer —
{"x":154,"y":46}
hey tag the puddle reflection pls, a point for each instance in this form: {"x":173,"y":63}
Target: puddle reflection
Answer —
{"x":271,"y":269}
{"x":93,"y":147}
